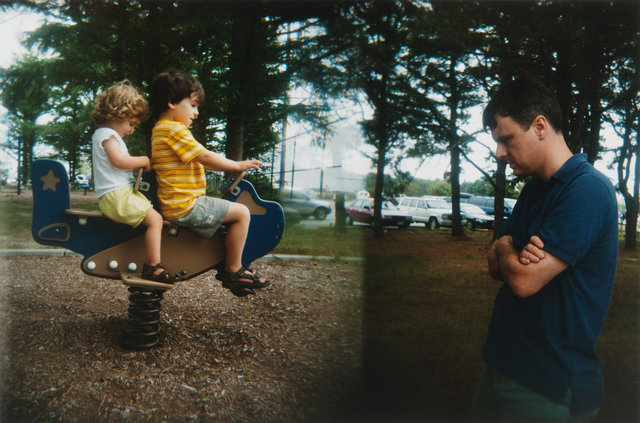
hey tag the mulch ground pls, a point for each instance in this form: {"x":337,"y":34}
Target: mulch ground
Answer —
{"x":292,"y":352}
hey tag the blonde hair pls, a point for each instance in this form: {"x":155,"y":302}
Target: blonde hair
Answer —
{"x":120,"y":102}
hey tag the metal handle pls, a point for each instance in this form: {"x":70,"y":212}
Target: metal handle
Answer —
{"x":138,"y":178}
{"x":231,"y":188}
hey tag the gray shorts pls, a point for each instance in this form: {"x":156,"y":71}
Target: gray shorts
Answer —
{"x":206,"y":217}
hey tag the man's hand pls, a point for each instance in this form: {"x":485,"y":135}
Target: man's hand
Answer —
{"x":532,"y":252}
{"x":525,"y":279}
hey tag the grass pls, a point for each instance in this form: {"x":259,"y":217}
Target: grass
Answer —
{"x":428,"y":301}
{"x":321,"y":241}
{"x":16,"y":212}
{"x":15,"y":223}
{"x":427,"y":304}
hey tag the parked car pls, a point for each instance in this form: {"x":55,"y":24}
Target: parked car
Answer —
{"x":304,"y":204}
{"x":434,"y":212}
{"x":487,"y":204}
{"x":80,"y":181}
{"x":361,"y":210}
{"x":291,"y":215}
{"x":476,"y":217}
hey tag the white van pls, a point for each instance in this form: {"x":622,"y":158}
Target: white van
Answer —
{"x":432,"y":211}
{"x":81,"y":181}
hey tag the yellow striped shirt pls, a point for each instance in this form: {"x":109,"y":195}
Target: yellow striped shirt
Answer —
{"x":181,"y":179}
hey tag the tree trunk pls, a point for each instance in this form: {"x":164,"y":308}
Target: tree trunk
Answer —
{"x":454,"y":148}
{"x":378,"y":229}
{"x":632,"y":201}
{"x":627,"y":151}
{"x":243,"y":34}
{"x":341,"y":214}
{"x":498,"y":205}
{"x":631,"y":222}
{"x":28,"y":141}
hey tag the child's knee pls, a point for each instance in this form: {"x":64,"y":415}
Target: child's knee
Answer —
{"x":153,"y":218}
{"x":245,"y":213}
{"x":239,"y":212}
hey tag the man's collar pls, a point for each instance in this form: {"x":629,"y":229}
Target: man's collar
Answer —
{"x":567,"y":169}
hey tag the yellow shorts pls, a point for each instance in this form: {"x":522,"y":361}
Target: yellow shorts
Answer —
{"x":125,"y":205}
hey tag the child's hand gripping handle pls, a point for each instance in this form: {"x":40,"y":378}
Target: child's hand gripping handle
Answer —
{"x":231,"y":188}
{"x":138,"y":178}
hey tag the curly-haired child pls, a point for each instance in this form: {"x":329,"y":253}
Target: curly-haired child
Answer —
{"x":118,"y":110}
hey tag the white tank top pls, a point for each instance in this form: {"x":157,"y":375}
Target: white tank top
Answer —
{"x":106,"y":177}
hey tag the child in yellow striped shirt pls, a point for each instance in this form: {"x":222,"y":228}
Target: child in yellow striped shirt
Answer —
{"x":180,"y":161}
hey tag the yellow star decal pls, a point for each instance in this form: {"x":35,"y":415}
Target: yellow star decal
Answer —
{"x":50,"y":180}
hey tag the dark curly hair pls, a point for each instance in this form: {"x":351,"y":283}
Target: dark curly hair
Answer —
{"x":172,"y":86}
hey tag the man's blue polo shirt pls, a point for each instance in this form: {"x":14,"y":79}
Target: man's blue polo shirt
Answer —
{"x":546,"y":342}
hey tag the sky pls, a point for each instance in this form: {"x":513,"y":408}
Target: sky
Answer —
{"x":344,"y":149}
{"x":14,"y":24}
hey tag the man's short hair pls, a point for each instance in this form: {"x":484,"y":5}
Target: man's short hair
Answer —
{"x":523,"y":100}
{"x":172,"y":86}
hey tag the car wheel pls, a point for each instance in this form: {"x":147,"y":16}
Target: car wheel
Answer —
{"x":349,"y":220}
{"x":470,"y":225}
{"x":320,"y":214}
{"x":432,"y":224}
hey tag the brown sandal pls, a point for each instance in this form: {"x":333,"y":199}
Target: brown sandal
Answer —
{"x":232,"y":280}
{"x":164,"y":276}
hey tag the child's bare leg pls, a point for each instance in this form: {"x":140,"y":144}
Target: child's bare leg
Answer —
{"x":238,"y":217}
{"x":153,"y":238}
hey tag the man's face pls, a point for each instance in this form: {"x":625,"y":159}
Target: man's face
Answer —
{"x":516,"y":145}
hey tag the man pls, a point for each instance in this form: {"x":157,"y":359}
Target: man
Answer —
{"x":556,"y":257}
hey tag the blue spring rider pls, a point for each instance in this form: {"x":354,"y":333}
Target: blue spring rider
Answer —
{"x":117,"y":251}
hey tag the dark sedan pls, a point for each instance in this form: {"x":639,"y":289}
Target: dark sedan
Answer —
{"x":361,"y":210}
{"x":476,"y":217}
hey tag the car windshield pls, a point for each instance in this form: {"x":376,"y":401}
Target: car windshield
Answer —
{"x":388,"y":205}
{"x":295,"y":195}
{"x":362,"y":203}
{"x":470,"y":208}
{"x":438,"y":204}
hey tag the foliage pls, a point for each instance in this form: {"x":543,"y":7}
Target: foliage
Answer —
{"x":263,"y":185}
{"x":420,"y":66}
{"x":440,"y":187}
{"x":365,"y":47}
{"x":623,"y":115}
{"x":444,"y":69}
{"x":480,"y":187}
{"x":235,"y":55}
{"x":25,"y":94}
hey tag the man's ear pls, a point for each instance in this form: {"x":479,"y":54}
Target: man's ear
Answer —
{"x":540,"y":126}
{"x":171,"y":106}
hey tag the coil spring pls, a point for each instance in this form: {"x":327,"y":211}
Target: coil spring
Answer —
{"x":143,"y":324}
